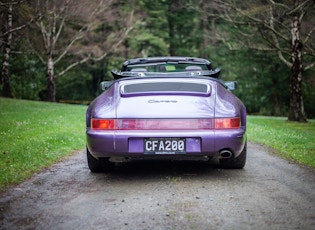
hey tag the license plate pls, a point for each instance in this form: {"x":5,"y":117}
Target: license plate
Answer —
{"x":164,"y":145}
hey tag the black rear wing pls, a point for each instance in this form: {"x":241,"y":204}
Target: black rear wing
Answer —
{"x":207,"y":73}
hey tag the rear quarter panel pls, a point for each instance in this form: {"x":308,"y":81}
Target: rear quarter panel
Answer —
{"x":103,"y":106}
{"x":228,"y":105}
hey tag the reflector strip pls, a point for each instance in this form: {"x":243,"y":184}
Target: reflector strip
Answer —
{"x":165,"y":124}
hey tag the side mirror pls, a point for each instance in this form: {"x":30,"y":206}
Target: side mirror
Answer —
{"x":104,"y":85}
{"x":231,"y":85}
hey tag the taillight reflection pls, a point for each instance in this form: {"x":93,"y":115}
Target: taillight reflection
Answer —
{"x":165,"y":124}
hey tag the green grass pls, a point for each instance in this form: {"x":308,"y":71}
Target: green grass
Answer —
{"x":34,"y":135}
{"x":291,"y":140}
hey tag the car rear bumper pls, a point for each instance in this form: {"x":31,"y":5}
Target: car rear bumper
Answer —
{"x":130,"y":144}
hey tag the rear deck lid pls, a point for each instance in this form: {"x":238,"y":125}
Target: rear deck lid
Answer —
{"x":165,"y":98}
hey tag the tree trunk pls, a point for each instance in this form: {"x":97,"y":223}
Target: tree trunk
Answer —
{"x":6,"y":86}
{"x":296,"y":112}
{"x":51,"y":88}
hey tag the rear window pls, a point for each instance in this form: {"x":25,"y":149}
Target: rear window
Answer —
{"x":166,"y":87}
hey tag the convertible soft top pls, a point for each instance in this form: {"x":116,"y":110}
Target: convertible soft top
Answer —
{"x":207,"y":73}
{"x":167,"y":66}
{"x":148,"y":60}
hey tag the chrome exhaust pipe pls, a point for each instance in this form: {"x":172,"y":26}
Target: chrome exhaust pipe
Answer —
{"x":225,"y":154}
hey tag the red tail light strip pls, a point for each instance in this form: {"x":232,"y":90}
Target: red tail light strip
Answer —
{"x":227,"y":123}
{"x":165,"y":124}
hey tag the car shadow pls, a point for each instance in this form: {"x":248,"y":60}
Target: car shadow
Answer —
{"x":155,"y":169}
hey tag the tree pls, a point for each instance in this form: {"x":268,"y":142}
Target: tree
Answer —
{"x":169,"y":24}
{"x":183,"y":27}
{"x":6,"y":87}
{"x":6,"y":39}
{"x":72,"y":31}
{"x":150,"y":37}
{"x":286,"y":27}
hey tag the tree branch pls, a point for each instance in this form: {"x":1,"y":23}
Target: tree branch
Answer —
{"x":85,"y":28}
{"x":84,"y":60}
{"x":275,"y":38}
{"x":113,"y":48}
{"x":308,"y":36}
{"x":299,"y":8}
{"x":309,"y":66}
{"x":73,"y":65}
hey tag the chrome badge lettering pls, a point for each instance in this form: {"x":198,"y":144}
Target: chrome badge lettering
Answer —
{"x":162,"y":101}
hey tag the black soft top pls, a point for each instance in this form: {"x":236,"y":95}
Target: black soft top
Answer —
{"x":175,"y":59}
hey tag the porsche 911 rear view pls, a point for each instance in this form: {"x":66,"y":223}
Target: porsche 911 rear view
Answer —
{"x":180,"y":113}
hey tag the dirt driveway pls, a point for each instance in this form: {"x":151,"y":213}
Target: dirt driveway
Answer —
{"x":269,"y":193}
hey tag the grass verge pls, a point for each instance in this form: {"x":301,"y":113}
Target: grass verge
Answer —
{"x":33,"y":135}
{"x":291,"y":140}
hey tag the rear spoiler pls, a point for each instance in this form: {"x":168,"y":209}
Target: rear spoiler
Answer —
{"x":207,"y":73}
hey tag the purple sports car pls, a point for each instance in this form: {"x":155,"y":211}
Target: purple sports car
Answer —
{"x":166,"y":108}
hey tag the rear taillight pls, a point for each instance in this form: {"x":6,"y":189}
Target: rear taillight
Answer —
{"x":227,"y":123}
{"x":165,"y":124}
{"x":103,"y":124}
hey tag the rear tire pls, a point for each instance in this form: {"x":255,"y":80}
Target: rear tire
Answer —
{"x":98,"y":165}
{"x":235,"y":163}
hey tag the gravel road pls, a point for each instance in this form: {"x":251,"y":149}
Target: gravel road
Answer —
{"x":269,"y":193}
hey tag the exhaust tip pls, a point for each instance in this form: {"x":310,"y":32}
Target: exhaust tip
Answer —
{"x":225,"y":154}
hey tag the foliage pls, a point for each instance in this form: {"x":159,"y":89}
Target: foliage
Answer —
{"x":309,"y":98}
{"x":77,"y":85}
{"x":33,"y":135}
{"x":265,"y":86}
{"x":291,"y":140}
{"x":146,"y":44}
{"x":192,"y":28}
{"x":262,"y":81}
{"x":309,"y":92}
{"x":150,"y":37}
{"x":27,"y":77}
{"x":282,"y":29}
{"x":175,"y":24}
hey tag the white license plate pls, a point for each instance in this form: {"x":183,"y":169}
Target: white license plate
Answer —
{"x":164,"y":145}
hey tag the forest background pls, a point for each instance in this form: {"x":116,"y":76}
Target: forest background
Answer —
{"x":60,"y":50}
